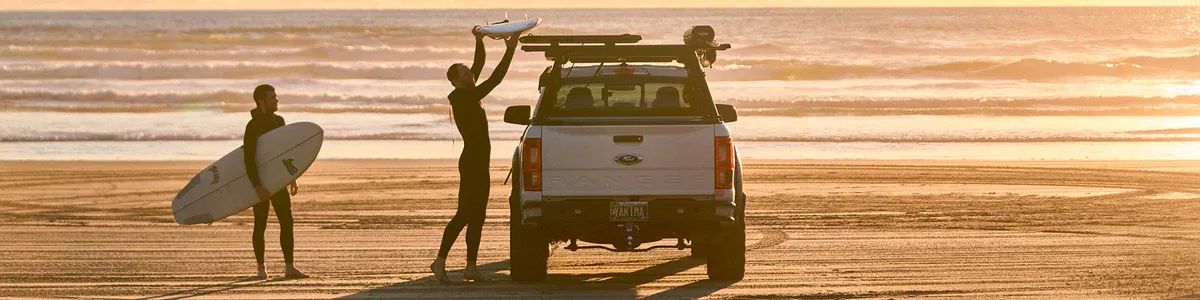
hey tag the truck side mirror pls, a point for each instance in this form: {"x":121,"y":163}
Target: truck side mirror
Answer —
{"x":518,"y":114}
{"x":727,"y":112}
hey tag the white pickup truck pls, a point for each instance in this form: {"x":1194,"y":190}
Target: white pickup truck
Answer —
{"x":624,"y":150}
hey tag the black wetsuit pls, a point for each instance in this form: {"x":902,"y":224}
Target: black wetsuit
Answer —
{"x":259,"y":124}
{"x":473,"y":163}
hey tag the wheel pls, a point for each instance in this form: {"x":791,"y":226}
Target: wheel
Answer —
{"x":528,"y":250}
{"x":727,"y":258}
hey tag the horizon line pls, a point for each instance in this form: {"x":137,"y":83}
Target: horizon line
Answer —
{"x":587,"y":8}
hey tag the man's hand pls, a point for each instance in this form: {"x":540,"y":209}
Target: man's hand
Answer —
{"x":293,"y":188}
{"x":263,"y":195}
{"x":512,"y":41}
{"x":478,"y":34}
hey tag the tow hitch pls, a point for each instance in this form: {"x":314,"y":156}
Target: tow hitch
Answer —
{"x":679,"y":245}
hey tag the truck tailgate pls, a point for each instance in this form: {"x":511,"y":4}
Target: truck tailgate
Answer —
{"x":610,"y":161}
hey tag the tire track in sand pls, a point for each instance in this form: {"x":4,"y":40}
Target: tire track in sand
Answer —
{"x":771,"y":237}
{"x":986,"y":237}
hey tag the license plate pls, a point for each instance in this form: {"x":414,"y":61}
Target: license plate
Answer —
{"x":628,"y":211}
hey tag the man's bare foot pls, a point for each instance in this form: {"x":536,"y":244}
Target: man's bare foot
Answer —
{"x":439,"y":270}
{"x":262,"y":272}
{"x":293,"y":272}
{"x":472,"y":273}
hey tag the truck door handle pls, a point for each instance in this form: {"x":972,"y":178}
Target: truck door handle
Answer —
{"x":627,"y":139}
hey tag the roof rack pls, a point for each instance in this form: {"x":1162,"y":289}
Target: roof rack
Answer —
{"x":698,"y":46}
{"x":554,"y":40}
{"x":627,"y":53}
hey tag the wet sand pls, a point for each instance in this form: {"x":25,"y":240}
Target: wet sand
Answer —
{"x":817,"y":229}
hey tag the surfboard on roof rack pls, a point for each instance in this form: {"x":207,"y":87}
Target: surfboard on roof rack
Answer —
{"x":506,"y":28}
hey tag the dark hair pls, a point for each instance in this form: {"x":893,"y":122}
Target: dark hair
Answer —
{"x":450,"y":74}
{"x":260,"y":92}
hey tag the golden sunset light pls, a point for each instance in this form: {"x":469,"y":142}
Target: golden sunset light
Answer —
{"x":619,"y":149}
{"x":552,"y":4}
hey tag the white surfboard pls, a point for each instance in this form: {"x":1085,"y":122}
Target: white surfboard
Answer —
{"x":223,"y":188}
{"x":508,"y":28}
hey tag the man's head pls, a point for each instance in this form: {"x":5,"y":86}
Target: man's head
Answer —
{"x":265,"y":98}
{"x":460,"y":76}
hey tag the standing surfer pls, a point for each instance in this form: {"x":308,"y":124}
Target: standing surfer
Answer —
{"x":264,"y":119}
{"x":471,"y":120}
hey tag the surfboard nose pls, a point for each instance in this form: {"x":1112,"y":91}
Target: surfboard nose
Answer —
{"x":175,"y":205}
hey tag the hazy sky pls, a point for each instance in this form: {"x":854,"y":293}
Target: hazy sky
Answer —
{"x":528,"y":4}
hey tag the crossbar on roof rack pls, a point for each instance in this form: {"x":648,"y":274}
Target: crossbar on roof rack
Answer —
{"x":629,"y":53}
{"x":582,"y":39}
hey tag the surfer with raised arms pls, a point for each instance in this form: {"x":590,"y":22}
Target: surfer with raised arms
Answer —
{"x":468,"y":113}
{"x":264,"y":119}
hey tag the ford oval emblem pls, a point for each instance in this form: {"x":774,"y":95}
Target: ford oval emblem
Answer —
{"x":628,"y":159}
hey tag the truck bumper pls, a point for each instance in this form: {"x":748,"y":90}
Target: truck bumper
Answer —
{"x":660,"y":210}
{"x":719,"y":206}
{"x":589,"y":219}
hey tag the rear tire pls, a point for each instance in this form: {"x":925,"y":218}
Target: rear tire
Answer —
{"x":528,"y":249}
{"x":727,"y":258}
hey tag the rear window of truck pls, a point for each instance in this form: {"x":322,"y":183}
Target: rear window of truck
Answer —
{"x":623,"y":97}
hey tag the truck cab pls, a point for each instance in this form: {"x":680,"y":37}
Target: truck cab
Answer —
{"x":625,"y":147}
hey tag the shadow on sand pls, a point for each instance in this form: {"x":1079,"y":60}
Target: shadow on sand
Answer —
{"x":213,"y":289}
{"x":616,"y":285}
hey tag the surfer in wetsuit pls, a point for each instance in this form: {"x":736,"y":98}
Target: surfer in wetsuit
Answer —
{"x":468,"y":113}
{"x":264,"y":119}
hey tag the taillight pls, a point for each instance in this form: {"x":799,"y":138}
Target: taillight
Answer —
{"x":724,"y":162}
{"x":531,"y":164}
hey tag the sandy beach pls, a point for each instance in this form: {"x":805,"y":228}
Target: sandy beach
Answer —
{"x":817,"y":229}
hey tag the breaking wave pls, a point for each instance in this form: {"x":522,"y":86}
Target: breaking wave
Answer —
{"x":322,"y":52}
{"x":233,"y":70}
{"x":455,"y":30}
{"x":1024,"y":69}
{"x":398,"y":63}
{"x":908,"y":46}
{"x":979,"y":139}
{"x":227,"y":101}
{"x":419,"y":136}
{"x":236,"y":101}
{"x":216,"y":97}
{"x":1076,"y":106}
{"x":241,"y":36}
{"x":128,"y":137}
{"x":1167,"y":131}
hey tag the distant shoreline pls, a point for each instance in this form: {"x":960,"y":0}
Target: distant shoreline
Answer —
{"x":522,"y":10}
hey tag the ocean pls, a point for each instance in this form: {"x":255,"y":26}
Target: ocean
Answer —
{"x":895,"y":83}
